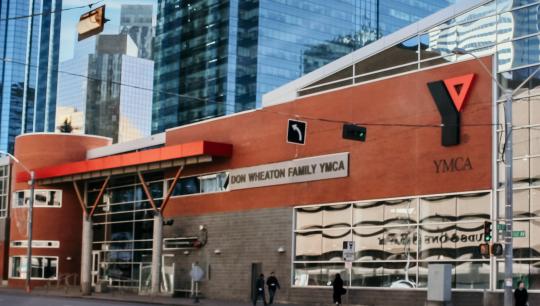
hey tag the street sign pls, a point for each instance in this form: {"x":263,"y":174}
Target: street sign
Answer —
{"x":348,"y":255}
{"x":518,"y":234}
{"x":91,"y":23}
{"x":348,"y":251}
{"x":296,"y":131}
{"x":501,"y":227}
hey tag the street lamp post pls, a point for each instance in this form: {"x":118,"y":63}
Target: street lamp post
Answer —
{"x":509,"y":192}
{"x":29,"y":221}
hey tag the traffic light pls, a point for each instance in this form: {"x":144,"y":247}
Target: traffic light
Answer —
{"x":496,"y":249}
{"x":91,"y":23}
{"x":484,"y":249}
{"x":354,"y":132}
{"x":487,"y":231}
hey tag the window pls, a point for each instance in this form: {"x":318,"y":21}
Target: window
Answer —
{"x":202,"y":184}
{"x":4,"y":189}
{"x":42,"y":267}
{"x":35,"y":244}
{"x":214,"y":182}
{"x":395,"y":240}
{"x":42,"y":198}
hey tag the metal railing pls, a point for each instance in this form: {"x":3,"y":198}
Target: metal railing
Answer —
{"x":64,"y":281}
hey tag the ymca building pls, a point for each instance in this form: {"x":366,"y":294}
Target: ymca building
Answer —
{"x":397,"y":147}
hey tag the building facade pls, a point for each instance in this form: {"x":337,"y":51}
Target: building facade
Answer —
{"x":244,"y":197}
{"x":107,"y":91}
{"x":136,"y":20}
{"x":269,"y":205}
{"x":219,"y":57}
{"x":29,"y":48}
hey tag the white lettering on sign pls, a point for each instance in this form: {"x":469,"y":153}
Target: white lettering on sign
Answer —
{"x":294,"y":171}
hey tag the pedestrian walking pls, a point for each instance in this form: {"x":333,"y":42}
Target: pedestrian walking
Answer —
{"x":259,"y":290}
{"x":521,"y":297}
{"x":273,"y":285}
{"x":337,"y":284}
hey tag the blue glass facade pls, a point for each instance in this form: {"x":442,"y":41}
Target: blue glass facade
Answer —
{"x":94,"y":102}
{"x":28,"y":93}
{"x":218,"y":57}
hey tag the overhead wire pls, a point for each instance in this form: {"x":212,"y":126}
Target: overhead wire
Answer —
{"x":192,"y":99}
{"x":50,"y":12}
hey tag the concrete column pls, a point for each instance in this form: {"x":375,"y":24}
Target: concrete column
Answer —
{"x":86,"y":257}
{"x":156,"y":253}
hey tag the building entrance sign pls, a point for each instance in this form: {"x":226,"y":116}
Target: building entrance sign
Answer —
{"x":294,"y":171}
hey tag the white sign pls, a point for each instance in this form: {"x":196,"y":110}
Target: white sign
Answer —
{"x":348,"y":255}
{"x":348,"y":251}
{"x":294,"y":171}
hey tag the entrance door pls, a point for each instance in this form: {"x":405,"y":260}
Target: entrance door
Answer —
{"x":95,"y":267}
{"x":256,"y":270}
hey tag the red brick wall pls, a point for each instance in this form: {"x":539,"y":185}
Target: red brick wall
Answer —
{"x":403,"y":141}
{"x":63,"y":224}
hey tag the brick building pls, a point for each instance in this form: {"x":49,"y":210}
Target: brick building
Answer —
{"x":237,"y":196}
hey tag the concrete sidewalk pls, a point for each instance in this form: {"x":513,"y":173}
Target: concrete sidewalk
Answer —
{"x":119,"y":296}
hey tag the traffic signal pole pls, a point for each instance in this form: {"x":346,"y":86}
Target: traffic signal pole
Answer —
{"x":508,"y":250}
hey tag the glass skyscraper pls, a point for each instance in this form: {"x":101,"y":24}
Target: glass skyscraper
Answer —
{"x":214,"y":58}
{"x":28,"y":81}
{"x":136,"y":20}
{"x":106,"y":89}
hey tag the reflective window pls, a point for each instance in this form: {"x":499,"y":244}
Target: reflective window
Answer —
{"x":502,"y":28}
{"x":123,"y":226}
{"x":42,"y":267}
{"x":42,"y":198}
{"x":466,"y":275}
{"x":393,"y":238}
{"x":318,"y":274}
{"x":216,"y":182}
{"x":527,"y":271}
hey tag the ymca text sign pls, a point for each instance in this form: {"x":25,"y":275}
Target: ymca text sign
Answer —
{"x":294,"y":171}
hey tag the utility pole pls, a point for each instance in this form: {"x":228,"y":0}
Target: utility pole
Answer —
{"x":30,"y":217}
{"x":29,"y":223}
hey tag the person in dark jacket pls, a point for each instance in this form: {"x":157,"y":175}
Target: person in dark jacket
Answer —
{"x":259,"y":290}
{"x":273,"y":285}
{"x":337,"y":284}
{"x":521,"y":297}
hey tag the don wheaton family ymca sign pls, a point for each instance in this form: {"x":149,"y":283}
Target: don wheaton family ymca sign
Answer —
{"x":294,"y":171}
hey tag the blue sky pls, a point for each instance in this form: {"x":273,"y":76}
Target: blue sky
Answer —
{"x":70,"y":18}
